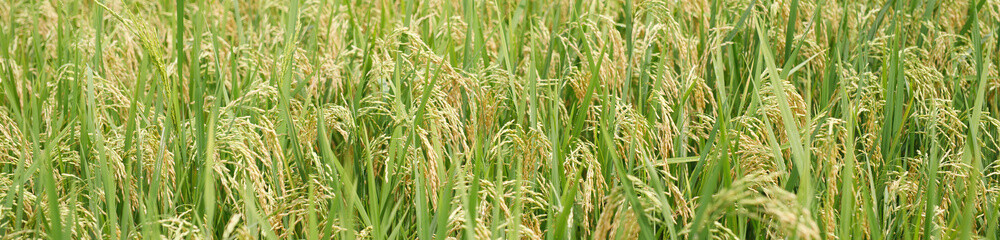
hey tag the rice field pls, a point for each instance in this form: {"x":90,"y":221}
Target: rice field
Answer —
{"x":500,"y":119}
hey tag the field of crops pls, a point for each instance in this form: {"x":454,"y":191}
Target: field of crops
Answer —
{"x":500,"y":119}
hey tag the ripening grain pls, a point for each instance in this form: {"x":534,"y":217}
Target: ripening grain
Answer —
{"x":500,"y":119}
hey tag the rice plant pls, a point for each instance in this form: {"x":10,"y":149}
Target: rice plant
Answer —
{"x":500,"y":119}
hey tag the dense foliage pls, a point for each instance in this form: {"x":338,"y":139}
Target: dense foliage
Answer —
{"x":500,"y":119}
